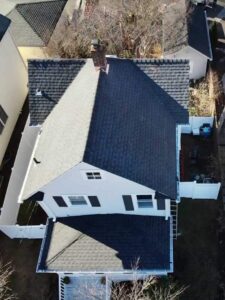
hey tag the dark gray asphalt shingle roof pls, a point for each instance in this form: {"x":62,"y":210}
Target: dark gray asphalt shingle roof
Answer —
{"x":133,"y":126}
{"x":191,"y":29}
{"x":33,"y":22}
{"x":52,"y":77}
{"x":4,"y":24}
{"x":106,"y":243}
{"x":198,"y":37}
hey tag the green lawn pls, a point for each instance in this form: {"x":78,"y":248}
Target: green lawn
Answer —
{"x":196,"y":250}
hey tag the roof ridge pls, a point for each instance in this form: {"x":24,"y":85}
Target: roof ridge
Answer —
{"x":162,"y":60}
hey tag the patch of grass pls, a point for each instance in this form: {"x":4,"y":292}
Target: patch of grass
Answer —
{"x":196,"y":250}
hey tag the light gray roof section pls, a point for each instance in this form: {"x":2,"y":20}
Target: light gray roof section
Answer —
{"x":68,"y":140}
{"x":22,"y":32}
{"x":33,"y":21}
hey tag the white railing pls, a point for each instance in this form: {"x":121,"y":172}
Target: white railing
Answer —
{"x":10,"y":208}
{"x":23,"y":232}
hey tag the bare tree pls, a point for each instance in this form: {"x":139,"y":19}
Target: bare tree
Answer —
{"x":131,"y":28}
{"x":151,"y":288}
{"x":204,"y":95}
{"x":6,"y":272}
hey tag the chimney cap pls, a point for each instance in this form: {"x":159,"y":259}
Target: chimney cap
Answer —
{"x":95,"y":43}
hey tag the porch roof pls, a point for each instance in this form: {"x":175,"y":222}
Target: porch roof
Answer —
{"x":106,"y":243}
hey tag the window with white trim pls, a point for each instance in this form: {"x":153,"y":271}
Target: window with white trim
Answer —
{"x":77,"y":200}
{"x":144,"y":201}
{"x":93,"y":175}
{"x":3,"y":119}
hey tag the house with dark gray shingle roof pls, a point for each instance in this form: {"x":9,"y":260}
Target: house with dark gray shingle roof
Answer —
{"x":33,"y":23}
{"x":186,"y":36}
{"x":101,"y":156}
{"x":104,"y":167}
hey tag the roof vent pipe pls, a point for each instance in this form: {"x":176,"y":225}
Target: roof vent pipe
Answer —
{"x":38,"y":93}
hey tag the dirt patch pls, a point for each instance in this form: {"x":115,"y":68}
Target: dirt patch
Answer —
{"x":26,"y":283}
{"x":196,"y":250}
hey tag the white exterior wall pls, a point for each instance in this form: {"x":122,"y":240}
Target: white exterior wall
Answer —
{"x":198,"y":61}
{"x":13,"y":87}
{"x":196,"y":190}
{"x":109,"y":191}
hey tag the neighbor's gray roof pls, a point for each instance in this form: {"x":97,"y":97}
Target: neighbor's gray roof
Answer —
{"x":106,"y":243}
{"x":4,"y":25}
{"x":33,"y":21}
{"x":186,"y":27}
{"x":52,"y":77}
{"x":122,"y":121}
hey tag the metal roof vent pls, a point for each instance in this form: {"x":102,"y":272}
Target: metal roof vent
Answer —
{"x":38,"y":93}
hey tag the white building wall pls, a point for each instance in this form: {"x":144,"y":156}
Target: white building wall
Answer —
{"x":13,"y":87}
{"x":109,"y":191}
{"x":198,"y":61}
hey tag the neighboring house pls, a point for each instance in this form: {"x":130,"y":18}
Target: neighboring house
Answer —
{"x":104,"y":165}
{"x":186,"y":36}
{"x":13,"y":84}
{"x":33,"y":23}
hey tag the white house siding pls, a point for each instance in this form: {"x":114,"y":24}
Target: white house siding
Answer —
{"x":32,"y":53}
{"x":13,"y":87}
{"x":198,"y":61}
{"x":109,"y":191}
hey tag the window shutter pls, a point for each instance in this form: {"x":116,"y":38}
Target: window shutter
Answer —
{"x":60,"y":201}
{"x":94,"y":201}
{"x":3,"y":115}
{"x":1,"y":127}
{"x":128,"y":203}
{"x":160,"y":201}
{"x":161,"y":204}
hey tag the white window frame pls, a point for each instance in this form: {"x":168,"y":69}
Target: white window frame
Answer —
{"x":135,"y":201}
{"x":67,"y":200}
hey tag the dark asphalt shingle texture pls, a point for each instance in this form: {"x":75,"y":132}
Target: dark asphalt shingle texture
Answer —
{"x":34,"y":22}
{"x":198,"y":36}
{"x":137,"y":106}
{"x":133,"y":127}
{"x":190,"y":30}
{"x":106,"y":243}
{"x":4,"y":24}
{"x":52,"y":77}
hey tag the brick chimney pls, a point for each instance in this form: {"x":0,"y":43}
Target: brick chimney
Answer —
{"x":98,"y":54}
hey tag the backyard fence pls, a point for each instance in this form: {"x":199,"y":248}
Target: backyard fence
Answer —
{"x":196,"y":190}
{"x":23,"y":232}
{"x":10,"y":208}
{"x":195,"y":123}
